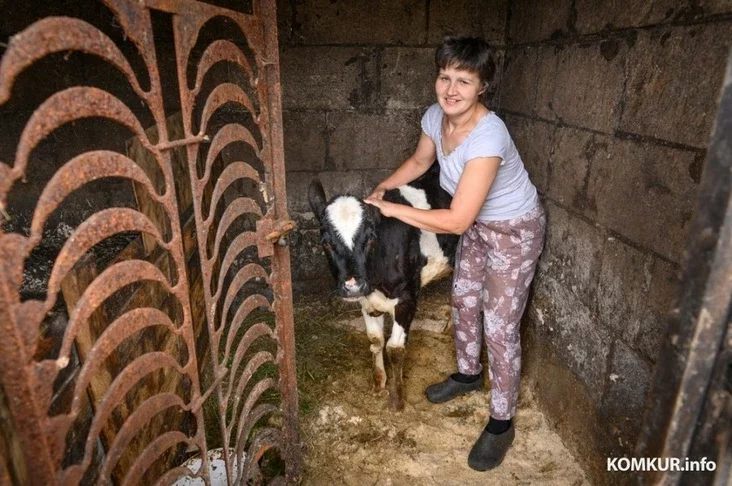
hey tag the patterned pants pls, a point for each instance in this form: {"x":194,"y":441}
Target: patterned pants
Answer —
{"x":496,"y":263}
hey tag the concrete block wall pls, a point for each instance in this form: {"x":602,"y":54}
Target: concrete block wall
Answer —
{"x":611,"y":105}
{"x":356,"y":79}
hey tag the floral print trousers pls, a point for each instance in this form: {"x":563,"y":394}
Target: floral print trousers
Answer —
{"x":496,"y":264}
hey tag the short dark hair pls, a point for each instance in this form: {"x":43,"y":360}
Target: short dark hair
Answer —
{"x":470,"y":53}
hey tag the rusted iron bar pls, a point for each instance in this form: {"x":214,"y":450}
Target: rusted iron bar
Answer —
{"x":196,"y":406}
{"x":282,"y":285}
{"x":182,"y":142}
{"x":16,"y":371}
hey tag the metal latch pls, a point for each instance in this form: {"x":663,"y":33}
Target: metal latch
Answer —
{"x":270,"y":232}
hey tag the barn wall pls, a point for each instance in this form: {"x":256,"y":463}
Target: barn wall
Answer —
{"x":611,"y":105}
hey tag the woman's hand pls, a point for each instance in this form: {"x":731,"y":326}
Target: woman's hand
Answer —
{"x":378,"y":193}
{"x":387,"y":208}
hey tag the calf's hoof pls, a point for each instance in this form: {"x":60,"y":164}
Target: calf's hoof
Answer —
{"x":396,"y":401}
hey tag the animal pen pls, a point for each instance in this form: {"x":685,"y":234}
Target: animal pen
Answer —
{"x":146,"y":311}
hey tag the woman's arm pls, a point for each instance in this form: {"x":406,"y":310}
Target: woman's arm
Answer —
{"x":471,"y":193}
{"x":416,"y":165}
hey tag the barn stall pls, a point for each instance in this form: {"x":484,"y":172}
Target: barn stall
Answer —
{"x":158,"y":340}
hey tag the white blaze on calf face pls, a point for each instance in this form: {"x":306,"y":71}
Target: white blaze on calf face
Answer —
{"x":437,"y":263}
{"x":345,"y":214}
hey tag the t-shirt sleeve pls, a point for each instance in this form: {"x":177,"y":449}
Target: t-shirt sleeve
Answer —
{"x":431,"y":121}
{"x":493,"y":141}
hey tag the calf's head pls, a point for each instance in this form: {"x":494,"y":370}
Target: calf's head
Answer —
{"x":347,"y":232}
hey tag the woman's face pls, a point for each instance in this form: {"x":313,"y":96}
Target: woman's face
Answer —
{"x":457,"y":90}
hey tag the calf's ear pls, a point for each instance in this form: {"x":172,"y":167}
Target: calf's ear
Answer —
{"x":316,"y":197}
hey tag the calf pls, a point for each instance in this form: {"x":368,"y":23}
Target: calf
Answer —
{"x":382,"y":263}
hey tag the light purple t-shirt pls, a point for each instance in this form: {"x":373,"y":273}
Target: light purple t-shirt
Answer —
{"x":512,"y":193}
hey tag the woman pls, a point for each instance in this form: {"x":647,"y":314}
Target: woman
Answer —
{"x":496,"y":209}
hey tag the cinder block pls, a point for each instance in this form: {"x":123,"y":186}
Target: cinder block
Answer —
{"x":307,"y":260}
{"x":578,"y":341}
{"x":518,"y":85}
{"x":328,"y":78}
{"x":535,"y":141}
{"x":627,"y":387}
{"x":635,"y":294}
{"x":306,"y":221}
{"x":284,"y":22}
{"x":674,"y":81}
{"x":594,"y":17}
{"x":484,"y":18}
{"x":408,"y":77}
{"x":569,"y":167}
{"x":372,"y":141}
{"x":339,"y":183}
{"x":297,"y":191}
{"x":305,"y":135}
{"x":662,"y":296}
{"x":582,"y":85}
{"x":354,"y":182}
{"x":568,"y":407}
{"x":543,"y":82}
{"x":625,"y":278}
{"x":533,"y":21}
{"x":713,"y":7}
{"x":372,"y":178}
{"x":334,"y":183}
{"x":645,"y":192}
{"x":572,"y":253}
{"x":375,"y":22}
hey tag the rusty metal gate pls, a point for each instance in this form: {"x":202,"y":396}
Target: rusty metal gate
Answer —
{"x":148,"y":363}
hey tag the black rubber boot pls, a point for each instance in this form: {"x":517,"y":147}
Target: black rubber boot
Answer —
{"x":449,"y":389}
{"x":490,"y":449}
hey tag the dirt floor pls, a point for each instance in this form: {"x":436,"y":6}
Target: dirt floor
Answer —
{"x":351,"y":437}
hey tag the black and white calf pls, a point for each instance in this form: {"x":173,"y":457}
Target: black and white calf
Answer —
{"x":382,"y":263}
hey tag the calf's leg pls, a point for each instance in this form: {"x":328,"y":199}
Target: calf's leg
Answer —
{"x":375,"y":331}
{"x":396,"y":351}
